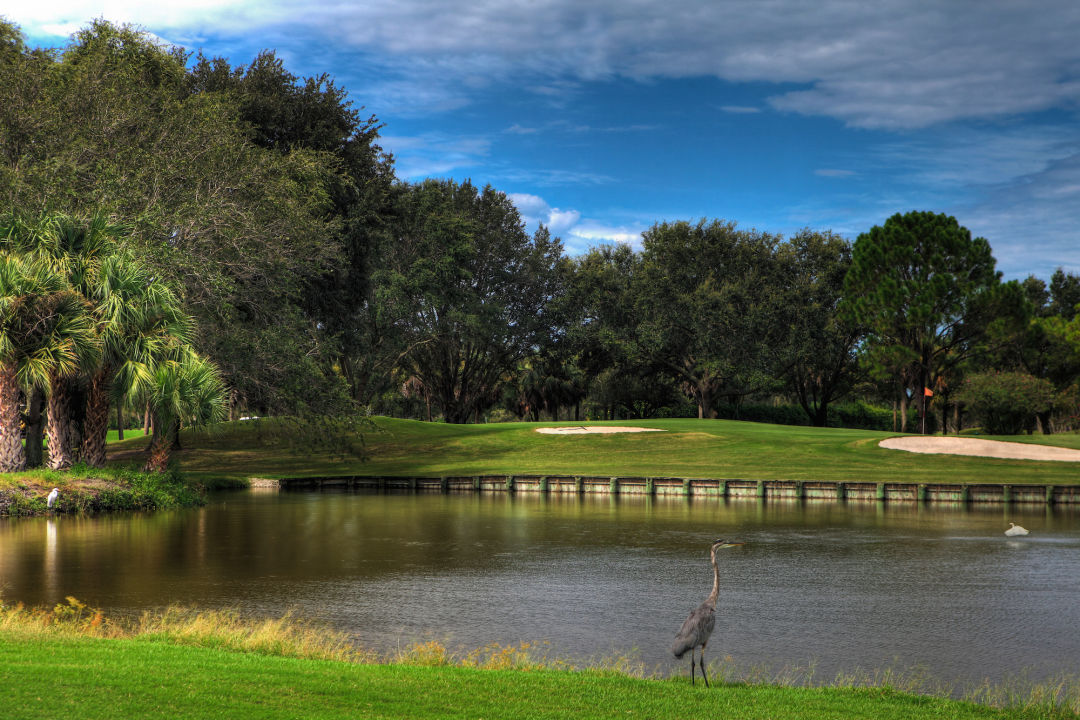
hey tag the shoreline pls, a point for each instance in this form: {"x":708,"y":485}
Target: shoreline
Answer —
{"x":207,"y":653}
{"x":89,"y":491}
{"x":719,"y":489}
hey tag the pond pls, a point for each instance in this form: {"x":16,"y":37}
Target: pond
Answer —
{"x":834,"y":585}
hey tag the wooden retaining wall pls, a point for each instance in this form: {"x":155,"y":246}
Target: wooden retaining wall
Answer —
{"x":703,"y":487}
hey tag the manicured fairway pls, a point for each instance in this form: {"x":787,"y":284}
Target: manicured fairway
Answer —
{"x":141,"y":678}
{"x":687,"y":448}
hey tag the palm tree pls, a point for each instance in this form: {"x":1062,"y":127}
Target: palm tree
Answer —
{"x":185,"y":390}
{"x":78,"y":346}
{"x":76,"y":247}
{"x":138,"y":318}
{"x":44,"y":329}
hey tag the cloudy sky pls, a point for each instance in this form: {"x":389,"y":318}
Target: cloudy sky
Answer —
{"x":602,"y":117}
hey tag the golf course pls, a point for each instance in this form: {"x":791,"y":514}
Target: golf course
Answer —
{"x":727,"y":449}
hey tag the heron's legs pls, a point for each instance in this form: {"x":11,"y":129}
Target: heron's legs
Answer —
{"x":691,"y":666}
{"x":703,"y":675}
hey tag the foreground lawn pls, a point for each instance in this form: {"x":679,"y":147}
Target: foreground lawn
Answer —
{"x":688,"y":448}
{"x":49,"y":677}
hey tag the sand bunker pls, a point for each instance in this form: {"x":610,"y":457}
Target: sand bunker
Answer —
{"x":982,"y":448}
{"x":588,"y":429}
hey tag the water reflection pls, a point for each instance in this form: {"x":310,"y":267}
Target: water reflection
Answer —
{"x":52,"y":579}
{"x":849,"y":585}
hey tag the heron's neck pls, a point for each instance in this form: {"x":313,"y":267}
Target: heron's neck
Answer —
{"x":711,"y":601}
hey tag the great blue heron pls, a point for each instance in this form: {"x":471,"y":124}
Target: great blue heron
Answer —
{"x":698,"y":627}
{"x":1015,"y":529}
{"x":51,"y":500}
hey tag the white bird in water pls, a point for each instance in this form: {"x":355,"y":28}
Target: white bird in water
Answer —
{"x":1015,"y":529}
{"x":56,"y":494}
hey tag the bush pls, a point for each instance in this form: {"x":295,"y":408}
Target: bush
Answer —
{"x":861,"y":415}
{"x":763,"y":413}
{"x":1006,"y":403}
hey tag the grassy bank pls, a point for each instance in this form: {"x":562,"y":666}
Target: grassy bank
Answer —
{"x":93,"y":490}
{"x":687,"y":448}
{"x":73,"y":662}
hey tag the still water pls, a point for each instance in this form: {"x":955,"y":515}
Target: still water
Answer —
{"x":839,"y":586}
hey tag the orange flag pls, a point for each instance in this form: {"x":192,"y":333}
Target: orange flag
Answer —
{"x":928,"y":392}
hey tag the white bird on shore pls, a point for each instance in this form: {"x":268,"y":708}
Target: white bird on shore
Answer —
{"x":1015,"y":529}
{"x":51,"y":500}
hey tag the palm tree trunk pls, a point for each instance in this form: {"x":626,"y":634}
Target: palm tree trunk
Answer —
{"x":12,"y":454}
{"x":56,"y":429}
{"x":35,"y":435}
{"x":97,"y":419}
{"x":160,"y":446}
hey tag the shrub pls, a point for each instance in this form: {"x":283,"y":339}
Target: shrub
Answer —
{"x":860,"y":415}
{"x":1006,"y":403}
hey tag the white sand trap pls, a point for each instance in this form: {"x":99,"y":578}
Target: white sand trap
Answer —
{"x":589,"y":429}
{"x":981,"y":448}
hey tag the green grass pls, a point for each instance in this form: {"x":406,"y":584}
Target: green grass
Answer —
{"x":72,"y":661}
{"x":128,"y":435}
{"x":689,"y":448}
{"x":145,"y":678}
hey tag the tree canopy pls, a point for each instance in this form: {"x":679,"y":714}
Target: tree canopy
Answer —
{"x":918,"y":284}
{"x":184,"y":226}
{"x":468,"y":290}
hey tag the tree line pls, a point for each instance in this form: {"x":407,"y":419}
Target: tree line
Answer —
{"x":310,"y":281}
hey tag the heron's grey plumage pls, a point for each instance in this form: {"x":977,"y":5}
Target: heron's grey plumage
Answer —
{"x":695,"y":630}
{"x":698,"y":627}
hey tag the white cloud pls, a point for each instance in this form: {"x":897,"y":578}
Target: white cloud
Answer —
{"x":740,"y":109}
{"x":578,"y":234}
{"x":552,"y":177}
{"x":833,"y":173}
{"x":434,"y":154}
{"x":560,"y":221}
{"x":1035,"y":215}
{"x":532,"y":206}
{"x":60,"y":18}
{"x":979,"y":157}
{"x":535,"y":210}
{"x":893,"y":65}
{"x":516,"y":129}
{"x":596,"y":233}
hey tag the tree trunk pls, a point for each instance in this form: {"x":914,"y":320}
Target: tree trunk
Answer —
{"x":56,"y":429}
{"x":146,"y":420}
{"x":1044,"y":420}
{"x":160,"y":447}
{"x":922,"y":401}
{"x":120,"y":420}
{"x":704,"y":401}
{"x":96,"y":430}
{"x":944,"y":414}
{"x":821,"y":415}
{"x":35,"y":431}
{"x":12,"y":454}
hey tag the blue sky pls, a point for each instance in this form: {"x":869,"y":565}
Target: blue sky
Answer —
{"x":601,"y":118}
